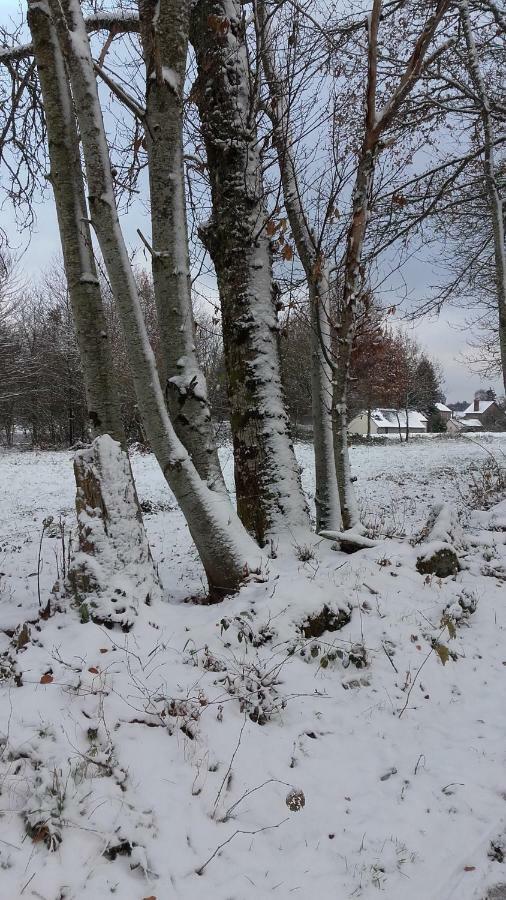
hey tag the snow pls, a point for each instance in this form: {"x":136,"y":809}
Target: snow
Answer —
{"x":442,"y":408}
{"x":144,"y":741}
{"x":472,"y":423}
{"x":388,"y":418}
{"x":483,"y":405}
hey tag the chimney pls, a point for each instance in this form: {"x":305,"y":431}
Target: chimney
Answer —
{"x":476,"y":404}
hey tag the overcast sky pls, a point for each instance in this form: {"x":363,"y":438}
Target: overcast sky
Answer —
{"x":444,"y":338}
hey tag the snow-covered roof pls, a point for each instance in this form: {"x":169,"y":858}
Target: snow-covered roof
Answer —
{"x":471,"y":423}
{"x":392,"y":418}
{"x":442,"y":408}
{"x":483,"y":405}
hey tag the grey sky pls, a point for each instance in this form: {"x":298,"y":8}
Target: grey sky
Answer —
{"x":445,"y":337}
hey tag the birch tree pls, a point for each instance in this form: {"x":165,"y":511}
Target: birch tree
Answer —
{"x":114,"y":557}
{"x":164,"y":34}
{"x":226,"y":551}
{"x":73,"y":221}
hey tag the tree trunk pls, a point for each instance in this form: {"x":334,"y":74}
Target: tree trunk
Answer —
{"x":164,"y":35}
{"x":269,"y":494}
{"x":494,"y":195}
{"x":375,"y":124}
{"x":226,"y":551}
{"x":340,"y":381}
{"x":89,"y":318}
{"x":328,"y":512}
{"x":327,"y":497}
{"x":68,"y":188}
{"x":113,"y":574}
{"x":352,"y":290}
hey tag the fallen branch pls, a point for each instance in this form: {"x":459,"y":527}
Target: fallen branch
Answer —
{"x":200,"y":870}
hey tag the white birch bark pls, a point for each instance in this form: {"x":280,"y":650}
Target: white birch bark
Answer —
{"x":226,"y":550}
{"x":72,"y":213}
{"x":269,"y":495}
{"x":115,"y":567}
{"x":113,"y":572}
{"x":489,"y":170}
{"x":328,"y":511}
{"x":164,"y":35}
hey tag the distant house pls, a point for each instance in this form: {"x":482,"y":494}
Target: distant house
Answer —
{"x":388,"y":421}
{"x":444,"y":412}
{"x":458,"y":425}
{"x":483,"y":415}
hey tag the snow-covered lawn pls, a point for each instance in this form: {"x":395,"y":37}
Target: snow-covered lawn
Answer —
{"x":135,"y":757}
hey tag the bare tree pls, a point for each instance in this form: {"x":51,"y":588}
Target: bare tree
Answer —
{"x":377,"y":123}
{"x":317,"y":271}
{"x":495,"y":200}
{"x":226,"y":551}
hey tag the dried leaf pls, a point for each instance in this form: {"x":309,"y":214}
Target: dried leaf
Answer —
{"x":442,"y":651}
{"x":219,"y":24}
{"x":270,"y":228}
{"x":399,"y":200}
{"x":469,"y":868}
{"x":46,"y":679}
{"x":40,"y":834}
{"x":93,"y":670}
{"x":450,"y":624}
{"x":104,"y":650}
{"x":287,"y":252}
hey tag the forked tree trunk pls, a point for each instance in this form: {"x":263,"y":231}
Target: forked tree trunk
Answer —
{"x":164,"y":35}
{"x":226,"y":551}
{"x":328,"y":512}
{"x":269,"y":495}
{"x":113,"y":565}
{"x":71,"y":209}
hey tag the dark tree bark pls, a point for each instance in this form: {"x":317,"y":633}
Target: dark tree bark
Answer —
{"x":269,"y":495}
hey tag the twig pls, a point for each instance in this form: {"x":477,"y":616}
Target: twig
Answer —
{"x":27,"y":883}
{"x":419,"y":670}
{"x":200,"y":870}
{"x":45,"y":524}
{"x":252,"y":791}
{"x":227,"y":773}
{"x":145,"y":242}
{"x":390,"y":660}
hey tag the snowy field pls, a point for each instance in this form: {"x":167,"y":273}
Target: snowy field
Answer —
{"x":168,"y":762}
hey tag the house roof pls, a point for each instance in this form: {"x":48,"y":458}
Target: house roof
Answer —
{"x":442,"y":408}
{"x":471,"y":423}
{"x":483,"y":405}
{"x":393,"y":418}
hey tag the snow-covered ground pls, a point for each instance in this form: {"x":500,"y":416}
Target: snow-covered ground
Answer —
{"x":166,"y":762}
